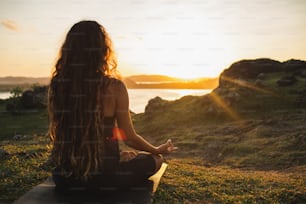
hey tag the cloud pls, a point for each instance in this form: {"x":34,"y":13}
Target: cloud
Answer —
{"x":11,"y":25}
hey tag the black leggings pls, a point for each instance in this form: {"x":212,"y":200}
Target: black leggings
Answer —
{"x":128,"y":174}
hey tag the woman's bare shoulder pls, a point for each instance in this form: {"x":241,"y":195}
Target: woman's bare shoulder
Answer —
{"x":116,"y":85}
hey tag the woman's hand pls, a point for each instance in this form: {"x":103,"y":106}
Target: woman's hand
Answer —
{"x":127,"y":156}
{"x":166,"y":148}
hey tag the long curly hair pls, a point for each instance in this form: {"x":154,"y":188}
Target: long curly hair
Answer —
{"x":75,"y":101}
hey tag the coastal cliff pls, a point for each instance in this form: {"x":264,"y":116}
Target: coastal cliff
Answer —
{"x":255,"y":118}
{"x":260,"y":85}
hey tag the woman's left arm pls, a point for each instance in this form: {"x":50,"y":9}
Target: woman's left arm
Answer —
{"x":125,"y":124}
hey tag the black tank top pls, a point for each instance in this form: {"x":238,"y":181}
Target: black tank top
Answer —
{"x":111,"y":153}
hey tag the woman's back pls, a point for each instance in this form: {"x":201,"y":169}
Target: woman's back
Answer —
{"x":85,"y":103}
{"x":80,"y":91}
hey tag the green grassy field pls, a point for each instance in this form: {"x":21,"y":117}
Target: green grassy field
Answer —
{"x":25,"y":123}
{"x":24,"y":167}
{"x":255,"y":160}
{"x":192,"y":181}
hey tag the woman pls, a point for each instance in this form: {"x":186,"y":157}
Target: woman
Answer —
{"x":89,"y":113}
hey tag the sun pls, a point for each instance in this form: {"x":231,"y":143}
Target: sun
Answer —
{"x":184,"y":68}
{"x":185,"y":54}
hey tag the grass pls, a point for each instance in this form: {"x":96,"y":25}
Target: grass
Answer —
{"x":25,"y":123}
{"x":190,"y":181}
{"x":267,"y":142}
{"x":23,"y":159}
{"x":260,"y":159}
{"x":187,"y":180}
{"x":23,"y":167}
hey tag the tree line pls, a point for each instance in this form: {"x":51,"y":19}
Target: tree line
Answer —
{"x":23,"y":100}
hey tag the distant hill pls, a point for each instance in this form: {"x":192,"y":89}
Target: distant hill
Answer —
{"x":166,"y":82}
{"x":133,"y":82}
{"x":152,"y":78}
{"x":23,"y":80}
{"x":8,"y":83}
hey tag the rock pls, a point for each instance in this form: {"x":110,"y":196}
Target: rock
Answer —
{"x":154,"y":105}
{"x":250,"y":69}
{"x":258,"y":69}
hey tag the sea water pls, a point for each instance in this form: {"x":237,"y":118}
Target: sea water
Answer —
{"x":139,"y":97}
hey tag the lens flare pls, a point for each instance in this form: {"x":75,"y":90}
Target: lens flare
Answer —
{"x":118,"y":134}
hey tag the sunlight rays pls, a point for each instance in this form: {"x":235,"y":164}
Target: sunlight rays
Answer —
{"x":245,"y":84}
{"x":221,"y":103}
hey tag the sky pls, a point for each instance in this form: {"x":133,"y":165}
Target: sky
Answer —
{"x":179,"y":38}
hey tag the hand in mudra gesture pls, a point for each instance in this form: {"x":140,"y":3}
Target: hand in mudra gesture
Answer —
{"x":167,"y":147}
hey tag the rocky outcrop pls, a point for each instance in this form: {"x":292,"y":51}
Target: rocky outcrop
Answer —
{"x":255,"y":71}
{"x":294,"y":66}
{"x":250,"y":69}
{"x":246,"y":87}
{"x":154,"y":105}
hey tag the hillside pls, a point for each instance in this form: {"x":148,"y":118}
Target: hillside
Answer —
{"x":10,"y":82}
{"x":270,"y":86}
{"x":249,"y":120}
